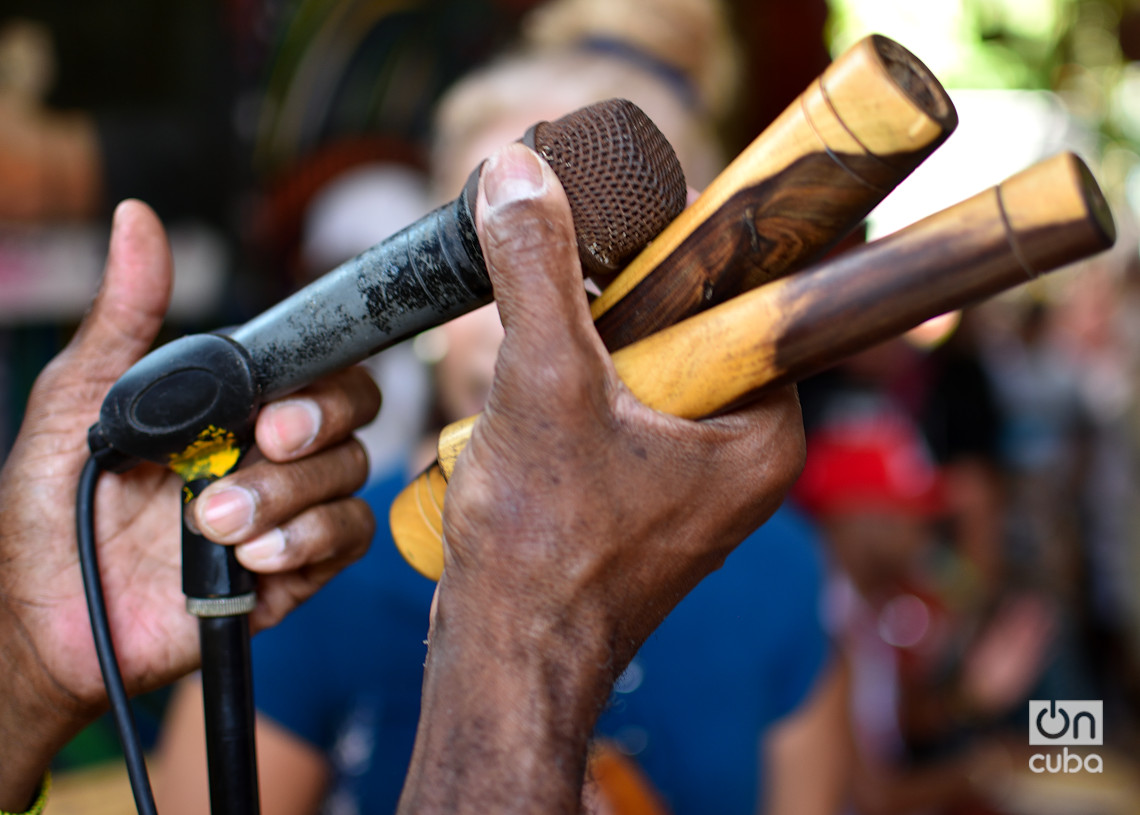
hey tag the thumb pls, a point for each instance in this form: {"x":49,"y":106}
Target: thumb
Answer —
{"x":117,"y":330}
{"x":527,"y":234}
{"x":133,"y":296}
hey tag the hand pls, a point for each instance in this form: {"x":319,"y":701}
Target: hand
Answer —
{"x":1008,"y":656}
{"x":575,"y":520}
{"x":290,"y":516}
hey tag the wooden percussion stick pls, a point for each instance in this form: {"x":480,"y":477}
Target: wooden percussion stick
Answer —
{"x":805,"y":182}
{"x":1042,"y":218}
{"x":810,"y":178}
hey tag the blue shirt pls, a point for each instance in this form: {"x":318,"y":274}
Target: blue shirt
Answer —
{"x":344,"y":671}
{"x":741,"y":651}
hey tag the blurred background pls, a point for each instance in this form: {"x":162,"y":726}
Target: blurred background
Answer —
{"x":277,"y":138}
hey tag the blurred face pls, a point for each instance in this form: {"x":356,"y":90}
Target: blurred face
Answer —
{"x":510,"y":128}
{"x":464,"y":374}
{"x":877,"y":549}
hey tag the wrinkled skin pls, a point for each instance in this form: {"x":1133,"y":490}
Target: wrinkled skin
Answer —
{"x":294,"y":523}
{"x":575,"y":520}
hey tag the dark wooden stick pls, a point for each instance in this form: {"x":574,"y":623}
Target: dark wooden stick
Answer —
{"x":873,"y":116}
{"x":1047,"y":216}
{"x":810,"y":178}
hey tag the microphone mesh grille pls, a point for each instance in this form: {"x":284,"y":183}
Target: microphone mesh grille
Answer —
{"x":621,"y":176}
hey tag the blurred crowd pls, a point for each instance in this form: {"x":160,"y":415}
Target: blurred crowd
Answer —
{"x":963,"y":539}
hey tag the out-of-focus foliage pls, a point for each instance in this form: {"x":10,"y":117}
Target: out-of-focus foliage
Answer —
{"x":1086,"y":51}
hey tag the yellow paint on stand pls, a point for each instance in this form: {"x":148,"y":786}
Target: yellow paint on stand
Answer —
{"x":213,"y":454}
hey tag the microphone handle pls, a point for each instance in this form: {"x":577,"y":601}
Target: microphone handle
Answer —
{"x":1044,"y":217}
{"x":424,"y":275}
{"x":191,"y":403}
{"x":624,"y":185}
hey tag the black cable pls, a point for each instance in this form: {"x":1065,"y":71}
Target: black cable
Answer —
{"x":104,"y":647}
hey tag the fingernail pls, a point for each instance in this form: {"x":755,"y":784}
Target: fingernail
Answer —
{"x":228,"y":511}
{"x":263,"y":551}
{"x":118,"y":213}
{"x":512,"y":174}
{"x":118,"y":224}
{"x":294,"y":424}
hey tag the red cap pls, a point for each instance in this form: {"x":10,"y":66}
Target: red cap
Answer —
{"x":870,"y":463}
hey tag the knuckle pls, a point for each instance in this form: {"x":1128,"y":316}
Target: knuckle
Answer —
{"x":340,"y":532}
{"x":366,"y":391}
{"x":527,"y":243}
{"x":359,"y":465}
{"x":570,"y":383}
{"x":365,"y":524}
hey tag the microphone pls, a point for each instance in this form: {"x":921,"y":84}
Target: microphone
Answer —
{"x":191,"y":403}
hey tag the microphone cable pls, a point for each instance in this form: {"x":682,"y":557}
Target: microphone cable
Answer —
{"x":104,"y":647}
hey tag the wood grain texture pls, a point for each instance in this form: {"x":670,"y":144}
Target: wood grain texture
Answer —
{"x":416,"y":520}
{"x":801,"y":186}
{"x":1045,"y":217}
{"x":1049,"y":215}
{"x":452,"y":440}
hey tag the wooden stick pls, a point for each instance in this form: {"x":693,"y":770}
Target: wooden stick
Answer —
{"x":810,"y":178}
{"x":873,"y":116}
{"x":1047,"y":216}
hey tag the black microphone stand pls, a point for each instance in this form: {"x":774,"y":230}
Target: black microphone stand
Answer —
{"x":221,"y":594}
{"x":191,"y":405}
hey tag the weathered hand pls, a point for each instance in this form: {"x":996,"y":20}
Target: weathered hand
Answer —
{"x":572,"y":496}
{"x":290,"y":515}
{"x":575,"y":520}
